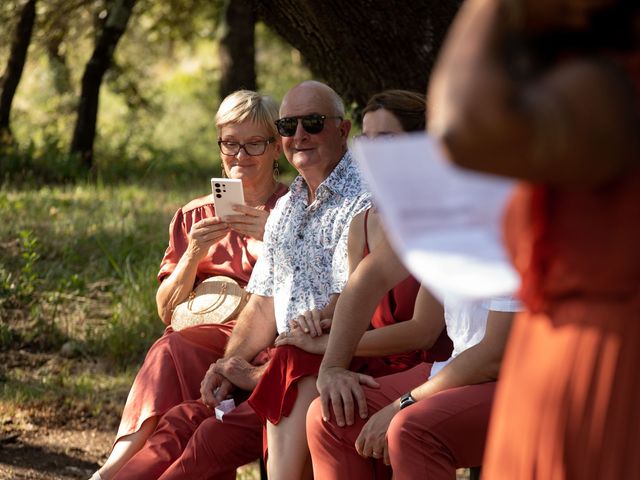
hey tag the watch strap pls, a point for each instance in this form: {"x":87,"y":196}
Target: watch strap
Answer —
{"x":406,"y":400}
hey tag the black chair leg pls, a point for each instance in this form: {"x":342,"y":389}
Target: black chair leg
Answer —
{"x":474,"y":473}
{"x":263,"y":470}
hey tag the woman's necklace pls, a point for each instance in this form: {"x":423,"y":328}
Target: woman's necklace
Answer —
{"x":261,"y":203}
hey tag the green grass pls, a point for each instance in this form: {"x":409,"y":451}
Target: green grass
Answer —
{"x":78,"y":259}
{"x":60,"y":392}
{"x":79,"y":264}
{"x":78,"y":267}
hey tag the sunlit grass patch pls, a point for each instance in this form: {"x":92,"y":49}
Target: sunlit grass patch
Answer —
{"x":41,"y":388}
{"x":79,"y":263}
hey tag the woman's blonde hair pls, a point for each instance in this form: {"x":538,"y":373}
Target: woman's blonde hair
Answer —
{"x":244,"y":105}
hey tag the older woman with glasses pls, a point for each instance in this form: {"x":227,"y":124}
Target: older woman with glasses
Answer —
{"x":202,"y":245}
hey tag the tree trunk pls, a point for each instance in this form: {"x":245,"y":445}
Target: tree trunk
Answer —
{"x":85,"y":129}
{"x":17,"y":58}
{"x":361,"y":47}
{"x":237,"y":47}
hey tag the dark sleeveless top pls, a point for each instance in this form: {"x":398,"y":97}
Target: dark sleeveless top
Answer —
{"x":397,"y":306}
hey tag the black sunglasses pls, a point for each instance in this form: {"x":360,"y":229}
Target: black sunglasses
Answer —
{"x":312,"y":124}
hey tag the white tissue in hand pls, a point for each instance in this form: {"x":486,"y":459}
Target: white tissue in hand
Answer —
{"x":225,"y":406}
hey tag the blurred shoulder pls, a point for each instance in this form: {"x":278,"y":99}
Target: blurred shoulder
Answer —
{"x":198,"y":203}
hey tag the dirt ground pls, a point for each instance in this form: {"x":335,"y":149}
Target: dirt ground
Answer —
{"x":65,"y":438}
{"x":66,"y":454}
{"x":51,"y":453}
{"x":56,"y":441}
{"x":58,"y":452}
{"x":64,"y":441}
{"x":62,"y":454}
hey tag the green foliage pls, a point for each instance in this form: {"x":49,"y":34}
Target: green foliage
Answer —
{"x":7,"y":337}
{"x":157,"y":102}
{"x":79,"y":258}
{"x":81,"y":266}
{"x":278,"y":65}
{"x":19,"y":286}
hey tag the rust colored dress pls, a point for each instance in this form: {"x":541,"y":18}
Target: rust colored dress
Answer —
{"x":176,"y":363}
{"x":568,"y":403}
{"x":276,"y":393}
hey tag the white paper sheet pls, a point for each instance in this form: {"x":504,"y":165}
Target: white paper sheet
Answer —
{"x":444,"y":222}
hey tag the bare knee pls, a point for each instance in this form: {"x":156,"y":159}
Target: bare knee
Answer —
{"x":126,"y":447}
{"x":315,"y":424}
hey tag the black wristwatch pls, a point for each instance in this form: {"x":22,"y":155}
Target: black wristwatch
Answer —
{"x":406,"y":400}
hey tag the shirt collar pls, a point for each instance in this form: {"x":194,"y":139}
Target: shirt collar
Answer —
{"x":342,"y":180}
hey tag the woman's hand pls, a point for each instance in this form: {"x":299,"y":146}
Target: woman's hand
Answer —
{"x":205,"y":233}
{"x":303,"y":341}
{"x":311,"y":323}
{"x":250,"y":221}
{"x":372,"y":441}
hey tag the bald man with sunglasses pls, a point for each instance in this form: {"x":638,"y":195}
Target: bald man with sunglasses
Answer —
{"x":295,"y":282}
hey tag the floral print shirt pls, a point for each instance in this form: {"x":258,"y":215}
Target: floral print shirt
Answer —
{"x":304,"y":253}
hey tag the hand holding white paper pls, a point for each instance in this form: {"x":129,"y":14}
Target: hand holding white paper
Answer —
{"x":225,"y":406}
{"x":444,"y":221}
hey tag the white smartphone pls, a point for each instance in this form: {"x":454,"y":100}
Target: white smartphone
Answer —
{"x":226,"y":192}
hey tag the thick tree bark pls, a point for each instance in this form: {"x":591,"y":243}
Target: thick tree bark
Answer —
{"x":85,"y":129}
{"x":237,"y":47}
{"x":361,"y":47}
{"x":17,"y":58}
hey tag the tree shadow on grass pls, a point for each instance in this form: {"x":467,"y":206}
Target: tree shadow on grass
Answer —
{"x":49,"y":463}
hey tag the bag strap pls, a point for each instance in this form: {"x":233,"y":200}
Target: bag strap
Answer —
{"x":221,"y":298}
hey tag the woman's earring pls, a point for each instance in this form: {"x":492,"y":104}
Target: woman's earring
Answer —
{"x":276,"y":170}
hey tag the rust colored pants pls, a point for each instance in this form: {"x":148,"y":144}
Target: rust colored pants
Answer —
{"x":427,"y":440}
{"x":190,"y":443}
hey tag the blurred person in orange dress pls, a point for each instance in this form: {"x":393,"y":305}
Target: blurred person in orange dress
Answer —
{"x":548,"y":92}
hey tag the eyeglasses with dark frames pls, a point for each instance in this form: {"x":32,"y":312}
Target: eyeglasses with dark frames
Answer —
{"x":251,"y":148}
{"x":312,"y":124}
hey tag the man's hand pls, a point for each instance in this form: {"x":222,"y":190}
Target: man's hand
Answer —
{"x":214,"y":387}
{"x":239,"y":372}
{"x":338,"y":387}
{"x":372,"y":441}
{"x":303,"y":341}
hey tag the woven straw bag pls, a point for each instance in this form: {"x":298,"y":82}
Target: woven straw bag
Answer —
{"x":216,"y":300}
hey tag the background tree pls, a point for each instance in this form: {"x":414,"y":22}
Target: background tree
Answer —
{"x":363,"y":46}
{"x":237,"y":49}
{"x":17,"y":57}
{"x":85,"y":129}
{"x":56,"y":55}
{"x":176,"y":62}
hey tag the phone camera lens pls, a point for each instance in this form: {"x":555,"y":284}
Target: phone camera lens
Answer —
{"x":218,"y":195}
{"x":217,"y":185}
{"x":217,"y":190}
